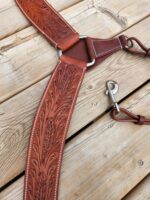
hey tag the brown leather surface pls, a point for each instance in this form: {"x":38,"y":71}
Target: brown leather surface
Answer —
{"x":130,"y":45}
{"x":49,"y":22}
{"x":129,"y":117}
{"x":56,"y":107}
{"x":90,"y":48}
{"x":50,"y":129}
{"x":103,"y":48}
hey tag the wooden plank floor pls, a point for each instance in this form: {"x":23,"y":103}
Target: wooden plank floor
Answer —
{"x":103,"y":159}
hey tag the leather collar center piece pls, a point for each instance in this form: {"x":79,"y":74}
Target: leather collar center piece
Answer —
{"x":76,"y":54}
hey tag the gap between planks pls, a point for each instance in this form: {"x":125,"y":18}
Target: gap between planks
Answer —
{"x":80,"y":131}
{"x":101,"y":170}
{"x":92,"y":107}
{"x":11,"y":5}
{"x":18,"y":89}
{"x":140,"y":191}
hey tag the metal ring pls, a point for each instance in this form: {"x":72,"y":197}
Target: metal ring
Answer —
{"x":90,"y":64}
{"x":130,"y":43}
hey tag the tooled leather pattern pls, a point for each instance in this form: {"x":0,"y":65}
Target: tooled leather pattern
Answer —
{"x":47,"y":20}
{"x":49,"y":131}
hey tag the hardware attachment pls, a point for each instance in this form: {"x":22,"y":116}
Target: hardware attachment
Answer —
{"x":89,"y":64}
{"x":112,"y":89}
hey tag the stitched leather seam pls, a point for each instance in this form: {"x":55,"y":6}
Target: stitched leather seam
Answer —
{"x":120,"y":43}
{"x":54,"y":43}
{"x":59,"y":162}
{"x":107,"y":52}
{"x":60,"y":16}
{"x":64,"y":136}
{"x":31,"y":140}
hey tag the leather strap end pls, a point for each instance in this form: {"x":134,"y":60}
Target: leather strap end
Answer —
{"x":99,"y":48}
{"x":129,"y":117}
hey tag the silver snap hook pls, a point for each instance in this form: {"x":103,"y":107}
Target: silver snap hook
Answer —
{"x":112,"y":89}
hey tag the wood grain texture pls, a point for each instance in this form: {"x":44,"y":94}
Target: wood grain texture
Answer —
{"x":104,"y":161}
{"x":16,"y":114}
{"x":26,"y":58}
{"x":9,"y":10}
{"x":29,"y":58}
{"x":119,"y":10}
{"x":141,"y":191}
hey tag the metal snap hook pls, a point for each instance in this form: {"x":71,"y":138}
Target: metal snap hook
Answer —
{"x":112,"y":89}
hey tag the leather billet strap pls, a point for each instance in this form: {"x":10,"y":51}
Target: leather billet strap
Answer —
{"x":50,"y":129}
{"x":55,"y":110}
{"x":122,"y":114}
{"x":129,"y":117}
{"x":49,"y":22}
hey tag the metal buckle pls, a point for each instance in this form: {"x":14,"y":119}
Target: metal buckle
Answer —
{"x":90,"y":64}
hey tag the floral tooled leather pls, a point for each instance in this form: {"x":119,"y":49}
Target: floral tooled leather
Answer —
{"x":55,"y":110}
{"x":49,"y":22}
{"x":49,"y":131}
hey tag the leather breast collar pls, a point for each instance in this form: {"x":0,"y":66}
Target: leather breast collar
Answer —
{"x":76,"y":55}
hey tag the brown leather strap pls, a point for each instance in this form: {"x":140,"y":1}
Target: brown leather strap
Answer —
{"x":55,"y":110}
{"x":100,"y":49}
{"x":50,"y":129}
{"x":128,"y":44}
{"x":49,"y":22}
{"x":129,"y":117}
{"x":90,"y":49}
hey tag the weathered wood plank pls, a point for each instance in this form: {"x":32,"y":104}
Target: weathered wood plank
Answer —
{"x":16,"y":114}
{"x":141,"y":192}
{"x":104,"y":162}
{"x":119,"y":10}
{"x":27,"y":57}
{"x":10,"y":12}
{"x":15,"y":191}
